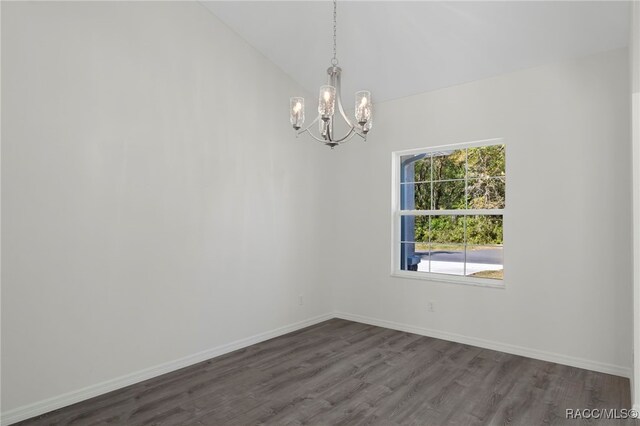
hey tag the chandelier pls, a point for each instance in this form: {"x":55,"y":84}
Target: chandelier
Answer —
{"x":328,"y":99}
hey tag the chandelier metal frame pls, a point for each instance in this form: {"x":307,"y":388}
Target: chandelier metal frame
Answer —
{"x":330,"y":95}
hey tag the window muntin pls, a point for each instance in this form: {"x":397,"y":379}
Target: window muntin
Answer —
{"x":449,"y":212}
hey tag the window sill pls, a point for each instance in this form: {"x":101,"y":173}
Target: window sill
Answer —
{"x":450,"y":279}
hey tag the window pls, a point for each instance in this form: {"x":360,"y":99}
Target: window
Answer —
{"x":448,"y":208}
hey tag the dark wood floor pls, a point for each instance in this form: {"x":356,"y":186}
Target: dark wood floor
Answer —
{"x":342,"y":372}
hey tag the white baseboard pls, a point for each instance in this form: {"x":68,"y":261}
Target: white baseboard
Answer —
{"x":50,"y":404}
{"x":496,"y":346}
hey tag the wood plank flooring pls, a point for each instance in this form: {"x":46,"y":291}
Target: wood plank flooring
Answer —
{"x":346,"y":373}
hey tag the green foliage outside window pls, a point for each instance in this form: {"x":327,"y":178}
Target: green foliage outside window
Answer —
{"x":442,"y":177}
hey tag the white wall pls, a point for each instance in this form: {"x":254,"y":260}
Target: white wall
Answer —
{"x":567,"y":240}
{"x":634,"y":46}
{"x":155,"y":202}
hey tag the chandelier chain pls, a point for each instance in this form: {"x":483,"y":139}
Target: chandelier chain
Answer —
{"x":334,"y":61}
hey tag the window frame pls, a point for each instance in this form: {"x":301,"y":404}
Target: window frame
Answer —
{"x":397,"y":213}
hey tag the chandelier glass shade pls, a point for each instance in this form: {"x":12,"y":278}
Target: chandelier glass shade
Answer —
{"x":329,"y":100}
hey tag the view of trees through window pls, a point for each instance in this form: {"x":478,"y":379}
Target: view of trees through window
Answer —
{"x":451,"y":211}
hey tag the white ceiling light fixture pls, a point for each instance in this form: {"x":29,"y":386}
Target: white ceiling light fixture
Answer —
{"x":328,"y":98}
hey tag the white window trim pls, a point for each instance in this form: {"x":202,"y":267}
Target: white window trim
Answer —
{"x":396,"y":213}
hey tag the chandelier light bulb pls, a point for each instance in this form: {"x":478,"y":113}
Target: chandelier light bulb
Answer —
{"x":327,"y":102}
{"x":296,"y":113}
{"x":363,"y":107}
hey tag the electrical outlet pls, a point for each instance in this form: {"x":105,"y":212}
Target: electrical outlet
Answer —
{"x":431,"y":307}
{"x":300,"y":300}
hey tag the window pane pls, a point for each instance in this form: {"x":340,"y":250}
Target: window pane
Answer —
{"x":449,"y":164}
{"x":484,"y":230}
{"x":447,"y":229}
{"x":486,"y":161}
{"x":455,"y":180}
{"x":415,"y":196}
{"x":414,"y":228}
{"x":415,"y":168}
{"x":447,"y":259}
{"x":485,"y":262}
{"x":486,"y":193}
{"x":422,"y":170}
{"x":448,"y":195}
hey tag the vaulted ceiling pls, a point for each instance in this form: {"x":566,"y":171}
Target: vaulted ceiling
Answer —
{"x":396,"y":48}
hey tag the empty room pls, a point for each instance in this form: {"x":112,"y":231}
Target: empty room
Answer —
{"x":320,"y":213}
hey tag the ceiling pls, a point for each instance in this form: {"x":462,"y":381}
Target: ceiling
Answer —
{"x":396,"y":48}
